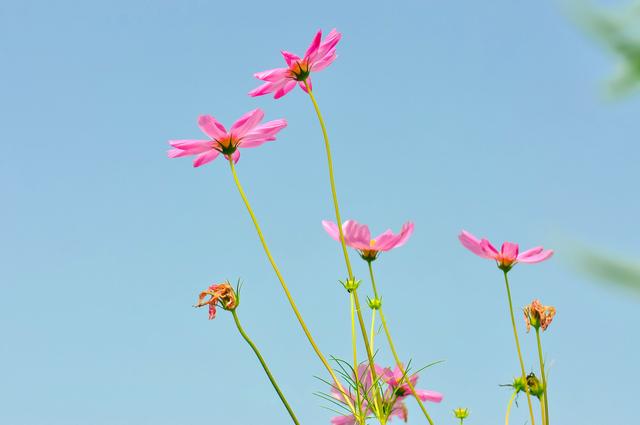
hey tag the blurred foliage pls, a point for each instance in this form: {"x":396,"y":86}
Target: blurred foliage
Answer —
{"x":610,"y":269}
{"x":619,"y":30}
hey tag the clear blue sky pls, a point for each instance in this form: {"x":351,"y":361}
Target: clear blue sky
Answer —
{"x":479,"y":115}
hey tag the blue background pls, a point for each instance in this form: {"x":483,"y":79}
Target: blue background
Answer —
{"x":487,"y":116}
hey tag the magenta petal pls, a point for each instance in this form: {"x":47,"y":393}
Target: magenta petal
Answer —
{"x":290,"y":58}
{"x":177,"y":153}
{"x":288,"y":86}
{"x":313,"y":47}
{"x":265,"y":88}
{"x":205,"y":158}
{"x":535,"y":258}
{"x":304,"y":87}
{"x":474,"y":245}
{"x":509,"y":250}
{"x":323,"y":63}
{"x":247,"y":122}
{"x":202,"y":145}
{"x":263,"y":133}
{"x":489,"y":250}
{"x":272,"y":75}
{"x":211,"y":127}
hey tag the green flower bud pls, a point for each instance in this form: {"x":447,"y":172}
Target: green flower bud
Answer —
{"x":461,"y":413}
{"x":351,"y":284}
{"x":374,"y":303}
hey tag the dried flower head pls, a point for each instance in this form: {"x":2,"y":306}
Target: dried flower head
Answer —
{"x":221,"y":294}
{"x":538,"y":315}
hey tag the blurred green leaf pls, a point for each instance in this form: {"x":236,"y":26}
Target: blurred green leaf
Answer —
{"x":619,"y":31}
{"x":610,"y":269}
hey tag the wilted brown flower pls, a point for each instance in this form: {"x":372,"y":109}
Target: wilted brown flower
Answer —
{"x":221,"y":294}
{"x":538,"y":315}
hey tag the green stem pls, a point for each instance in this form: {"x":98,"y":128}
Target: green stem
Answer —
{"x":265,"y":367}
{"x":324,"y":361}
{"x":393,"y":348}
{"x":336,"y":207}
{"x":372,"y":330}
{"x":515,"y":335}
{"x":358,"y":415}
{"x":506,"y":418}
{"x":544,"y":377}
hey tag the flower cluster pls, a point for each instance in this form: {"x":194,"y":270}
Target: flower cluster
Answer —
{"x":373,"y":391}
{"x":384,"y":398}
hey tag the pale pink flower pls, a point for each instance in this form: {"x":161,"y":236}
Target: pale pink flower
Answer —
{"x":509,"y":254}
{"x":246,"y":132}
{"x":319,"y":55}
{"x":358,"y":237}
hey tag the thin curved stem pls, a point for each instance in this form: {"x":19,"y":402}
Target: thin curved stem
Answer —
{"x":544,"y":377}
{"x":393,"y":349}
{"x":372,"y":330}
{"x":336,"y":207}
{"x":515,"y":335}
{"x":307,"y":333}
{"x":506,"y":418}
{"x":356,"y":377}
{"x":265,"y":367}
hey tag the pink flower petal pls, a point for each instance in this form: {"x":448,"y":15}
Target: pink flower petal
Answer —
{"x":323,"y":63}
{"x":235,"y":156}
{"x":177,"y":153}
{"x":535,"y":258}
{"x":427,"y":395}
{"x":313,"y":47}
{"x":201,"y":145}
{"x":263,"y":133}
{"x":205,"y":158}
{"x":246,"y":123}
{"x":356,"y":235}
{"x":263,"y":89}
{"x":288,"y":86}
{"x":489,"y":249}
{"x":290,"y":58}
{"x":211,"y":127}
{"x":332,"y":229}
{"x":388,"y":240}
{"x":344,"y":420}
{"x":304,"y":87}
{"x":272,"y":75}
{"x":474,"y":245}
{"x":509,"y":250}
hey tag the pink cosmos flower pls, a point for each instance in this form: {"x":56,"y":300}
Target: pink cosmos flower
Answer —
{"x":509,"y":254}
{"x":246,"y":132}
{"x":394,"y":392}
{"x":319,"y":55}
{"x":358,"y":236}
{"x":401,"y":391}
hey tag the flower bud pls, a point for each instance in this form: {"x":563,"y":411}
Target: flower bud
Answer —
{"x":461,"y":413}
{"x":351,"y":284}
{"x":374,"y":303}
